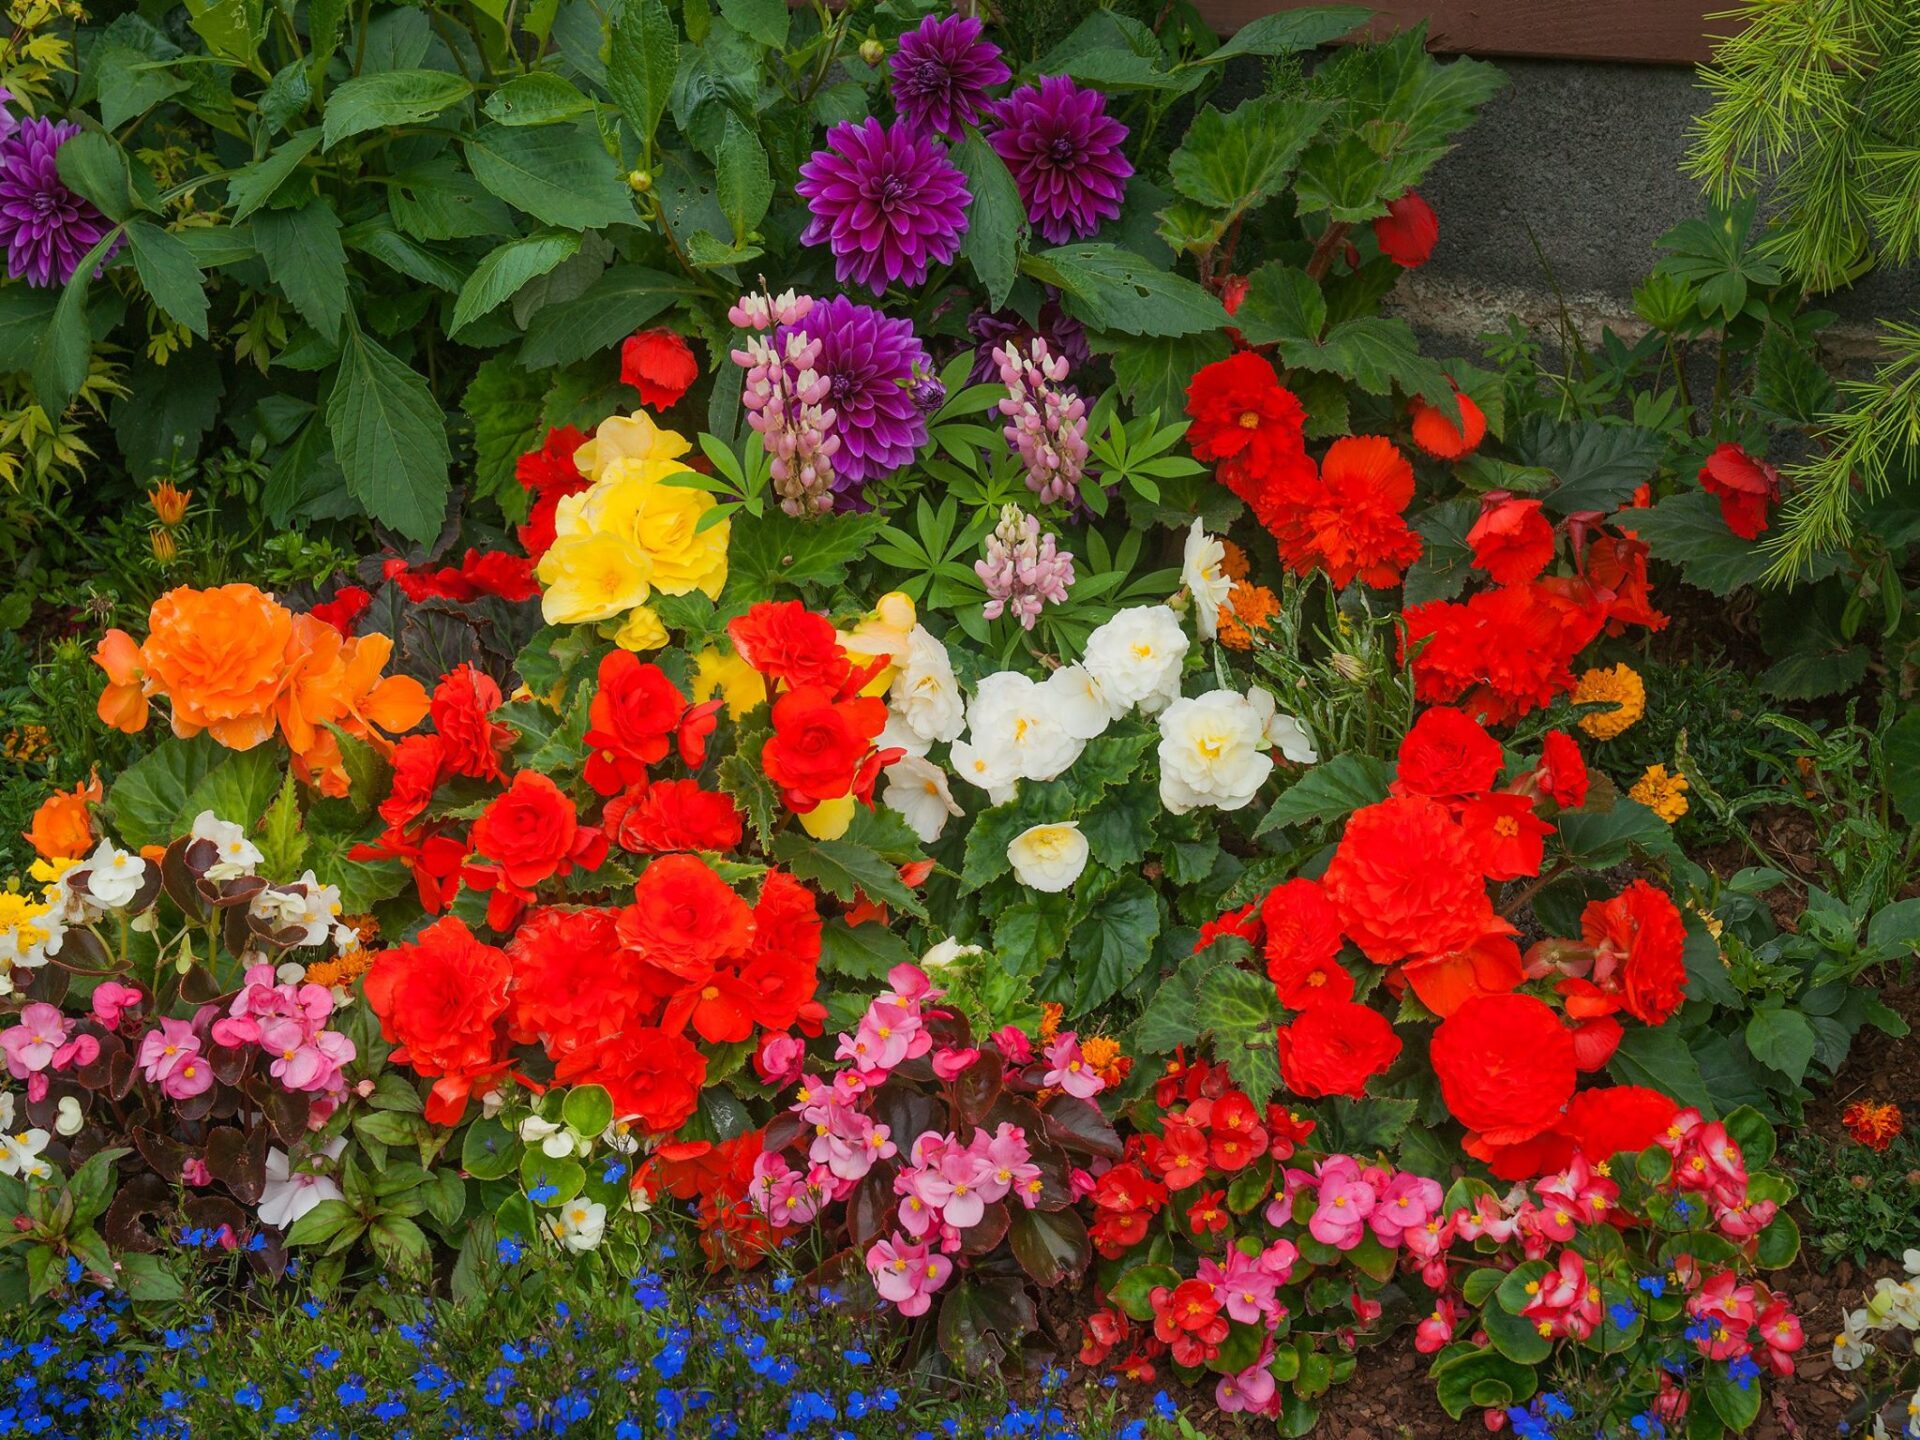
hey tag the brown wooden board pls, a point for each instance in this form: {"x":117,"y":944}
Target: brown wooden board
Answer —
{"x":1657,"y":32}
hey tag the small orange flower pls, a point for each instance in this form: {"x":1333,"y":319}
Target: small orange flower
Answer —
{"x":62,"y":827}
{"x":164,"y":548}
{"x":169,"y":504}
{"x":1050,"y":1013}
{"x":1249,"y":608}
{"x":1233,"y":562}
{"x":1873,"y":1123}
{"x":1103,"y":1057}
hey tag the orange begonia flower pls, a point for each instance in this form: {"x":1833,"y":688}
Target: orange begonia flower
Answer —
{"x":62,"y":829}
{"x":123,"y":704}
{"x":220,"y":657}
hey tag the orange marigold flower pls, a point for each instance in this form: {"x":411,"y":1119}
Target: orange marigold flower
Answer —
{"x":169,"y":503}
{"x":1873,"y":1123}
{"x":1249,"y":608}
{"x":1050,"y":1015}
{"x":1103,"y":1057}
{"x":62,"y":828}
{"x":1233,"y":561}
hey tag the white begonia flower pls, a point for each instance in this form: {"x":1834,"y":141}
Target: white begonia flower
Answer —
{"x":290,"y":1193}
{"x":917,"y":789}
{"x":945,"y":953}
{"x":237,"y":854}
{"x":1136,"y":657}
{"x":6,"y":1110}
{"x":580,"y":1225}
{"x":555,"y":1141}
{"x":1283,"y":732}
{"x":306,"y":906}
{"x":114,"y":876}
{"x":1009,"y":713}
{"x":1048,"y":857}
{"x":1212,"y":751}
{"x":1202,"y":571}
{"x":68,"y":1117}
{"x":896,"y":734}
{"x":990,"y":769}
{"x":1078,"y":702}
{"x":925,"y":693}
{"x":20,"y":1154}
{"x":620,"y":1137}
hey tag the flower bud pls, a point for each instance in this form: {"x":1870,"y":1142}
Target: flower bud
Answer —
{"x":872,"y":51}
{"x":639,"y":181}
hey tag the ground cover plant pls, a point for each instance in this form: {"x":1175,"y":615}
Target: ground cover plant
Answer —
{"x":898,"y":765}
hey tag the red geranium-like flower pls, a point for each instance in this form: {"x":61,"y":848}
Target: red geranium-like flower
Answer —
{"x":685,"y":919}
{"x":660,"y":365}
{"x":462,"y":711}
{"x":673,"y":815}
{"x":419,"y":765}
{"x":1562,"y":773}
{"x":1405,"y":880}
{"x":1408,"y":231}
{"x":526,"y":837}
{"x":791,"y":645}
{"x":786,"y":922}
{"x":1246,"y":422}
{"x":1302,"y":939}
{"x":1747,"y":488}
{"x":654,"y":1077}
{"x":1505,"y":1066}
{"x":496,"y":573}
{"x":1489,"y":966}
{"x":1125,"y":1200}
{"x":1235,"y":1138}
{"x":1501,"y":653}
{"x":1447,"y":756}
{"x":551,"y":475}
{"x":1616,"y":1119}
{"x":1616,"y":567}
{"x":1242,"y":923}
{"x":1509,"y":837}
{"x":1189,"y":1319}
{"x":1435,"y":432}
{"x":1512,"y":541}
{"x":634,"y":713}
{"x":1334,"y":1049}
{"x":818,"y":744}
{"x":1352,"y":523}
{"x":344,"y":610}
{"x":571,"y":983}
{"x":440,"y":999}
{"x":1639,"y":940}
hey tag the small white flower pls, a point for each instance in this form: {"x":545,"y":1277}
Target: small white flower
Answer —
{"x":290,"y":1193}
{"x":1136,"y":657}
{"x":1212,"y":751}
{"x":20,"y":1154}
{"x":1202,"y":572}
{"x":6,"y":1110}
{"x":620,"y":1138}
{"x":1048,"y":857}
{"x":993,"y":770}
{"x":1010,"y":713}
{"x":68,"y":1117}
{"x":1078,"y":702}
{"x":237,"y":855}
{"x":925,"y":693}
{"x":306,"y":906}
{"x":555,"y":1141}
{"x":580,"y":1224}
{"x":1283,"y":732}
{"x":114,"y":876}
{"x":896,"y":734}
{"x":945,"y":953}
{"x":918,"y":790}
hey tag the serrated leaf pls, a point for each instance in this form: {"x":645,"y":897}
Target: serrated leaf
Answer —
{"x":1329,"y":791}
{"x":1154,"y":373}
{"x":741,"y":777}
{"x":496,"y":278}
{"x":1600,"y":463}
{"x":643,"y":51}
{"x":606,"y":312}
{"x":846,"y":870}
{"x":283,"y":843}
{"x":389,"y":437}
{"x":742,"y":182}
{"x":1234,"y":162}
{"x":1284,"y":307}
{"x":1114,"y":942}
{"x":256,"y":184}
{"x":168,"y":271}
{"x":539,"y":98}
{"x":304,"y":257}
{"x":1289,"y":32}
{"x":996,"y":220}
{"x":777,"y":552}
{"x":394,"y":97}
{"x":559,"y":174}
{"x":1108,"y":288}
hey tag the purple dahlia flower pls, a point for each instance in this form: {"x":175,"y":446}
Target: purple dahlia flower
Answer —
{"x":1065,"y":337}
{"x":887,"y":202}
{"x":1064,"y":151}
{"x":46,"y":228}
{"x":868,"y":359}
{"x":941,"y":74}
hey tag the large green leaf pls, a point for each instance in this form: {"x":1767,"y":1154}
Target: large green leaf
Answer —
{"x":1290,"y":31}
{"x":846,"y":869}
{"x":1600,"y":463}
{"x":1114,"y":942}
{"x":255,"y":184}
{"x":390,"y":438}
{"x":304,"y":257}
{"x":1659,"y":1058}
{"x":505,"y":270}
{"x":996,"y":220}
{"x":1233,"y":162}
{"x":395,"y":97}
{"x":1112,"y":289}
{"x":147,"y":800}
{"x":96,"y":167}
{"x":60,"y":359}
{"x":537,"y":98}
{"x":1153,"y":373}
{"x":166,"y":267}
{"x":742,"y":183}
{"x":559,"y":174}
{"x":1781,"y":1039}
{"x":24,"y":314}
{"x":643,"y":50}
{"x":606,"y":312}
{"x":1329,"y":791}
{"x":779,"y":553}
{"x":1284,"y":308}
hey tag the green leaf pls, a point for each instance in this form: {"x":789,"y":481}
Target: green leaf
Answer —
{"x":256,"y":184}
{"x":166,"y":267}
{"x":1601,"y":839}
{"x":742,"y":183}
{"x":1112,"y":289}
{"x":496,"y":278}
{"x":231,"y":28}
{"x":777,"y":552}
{"x":238,"y":789}
{"x":559,"y":174}
{"x":1284,"y":307}
{"x":322,"y":1223}
{"x":283,"y":844}
{"x":763,"y":20}
{"x":1153,"y":374}
{"x":1659,"y":1058}
{"x":1133,"y":1291}
{"x":741,"y":777}
{"x":861,"y":952}
{"x":643,"y":51}
{"x":1781,"y":1039}
{"x":588,"y":1110}
{"x":1329,"y":791}
{"x":304,"y":257}
{"x":846,"y":869}
{"x":390,"y":438}
{"x":1600,"y":463}
{"x":538,"y":98}
{"x":1114,"y":943}
{"x":1234,"y":162}
{"x":25,"y":313}
{"x":60,"y":360}
{"x":96,"y":167}
{"x":147,"y":800}
{"x":996,"y":220}
{"x":1901,"y":743}
{"x":606,"y":312}
{"x":1687,"y":530}
{"x":393,"y":97}
{"x":1289,"y":32}
{"x":489,"y":1151}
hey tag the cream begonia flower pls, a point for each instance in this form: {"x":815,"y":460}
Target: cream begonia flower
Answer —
{"x":1202,"y":572}
{"x":1136,"y":658}
{"x":1010,"y":717}
{"x":917,"y":789}
{"x":1078,"y":702}
{"x":925,"y":693}
{"x":1213,"y":751}
{"x":1048,"y":858}
{"x":580,"y":1225}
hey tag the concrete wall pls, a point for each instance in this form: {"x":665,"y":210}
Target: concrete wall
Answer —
{"x":1587,"y":157}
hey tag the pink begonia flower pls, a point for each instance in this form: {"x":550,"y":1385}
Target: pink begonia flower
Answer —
{"x":781,"y":1193}
{"x":1743,"y":1222}
{"x":1280,"y":1209}
{"x":780,"y":1059}
{"x":1012,"y":1043}
{"x":1406,"y":1202}
{"x":1081,"y":1183}
{"x":111,"y":1000}
{"x":918,"y":1211}
{"x":1341,"y":1218}
{"x":1068,"y":1071}
{"x":1278,"y":1260}
{"x":193,"y":1076}
{"x":1251,"y":1389}
{"x":1436,"y":1331}
{"x":907,"y":1274}
{"x":966,"y":1176}
{"x":909,"y":983}
{"x":1010,"y":1166}
{"x":194,"y":1173}
{"x":30,"y":1045}
{"x":950,"y":1063}
{"x":1245,"y":1290}
{"x":164,"y":1050}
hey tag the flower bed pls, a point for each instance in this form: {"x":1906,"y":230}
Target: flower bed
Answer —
{"x":1054,"y":780}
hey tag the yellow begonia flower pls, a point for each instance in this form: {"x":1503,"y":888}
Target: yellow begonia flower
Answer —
{"x":591,"y":577}
{"x":737,"y":682}
{"x":633,"y":501}
{"x":629,"y":437}
{"x":884,"y":631}
{"x":829,"y":819}
{"x":643,"y":630}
